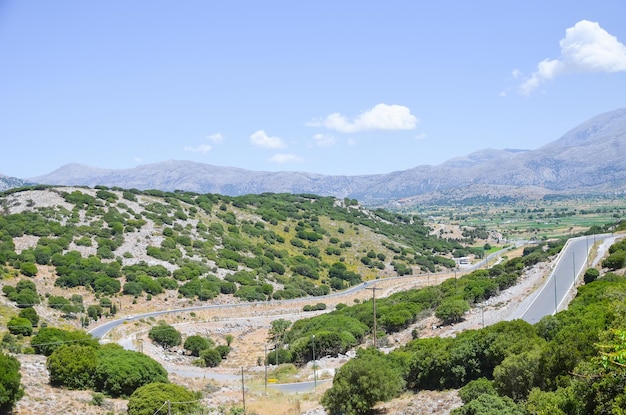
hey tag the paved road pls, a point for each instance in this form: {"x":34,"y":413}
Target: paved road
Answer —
{"x":571,"y":262}
{"x":302,"y":387}
{"x":102,"y":330}
{"x":299,"y":387}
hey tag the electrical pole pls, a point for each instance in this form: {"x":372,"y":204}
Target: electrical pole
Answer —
{"x":374,"y":310}
{"x":314,"y":368}
{"x":556,"y":304}
{"x":243,"y":391}
{"x":265,"y":363}
{"x":587,"y":254}
{"x":482,"y":312}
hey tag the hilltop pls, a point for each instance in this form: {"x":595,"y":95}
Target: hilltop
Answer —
{"x":193,"y":248}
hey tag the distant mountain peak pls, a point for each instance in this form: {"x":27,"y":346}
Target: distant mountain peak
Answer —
{"x":607,"y":126}
{"x":481,"y":156}
{"x":589,"y":158}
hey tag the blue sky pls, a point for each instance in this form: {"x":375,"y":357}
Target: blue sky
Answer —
{"x":330,"y":87}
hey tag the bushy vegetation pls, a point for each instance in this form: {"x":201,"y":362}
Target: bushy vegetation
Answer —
{"x":269,"y":246}
{"x":165,"y":335}
{"x":569,"y":363}
{"x":109,"y":369}
{"x":10,"y":388}
{"x":362,"y":382}
{"x":150,"y":398}
{"x":48,"y":339}
{"x":346,"y":327}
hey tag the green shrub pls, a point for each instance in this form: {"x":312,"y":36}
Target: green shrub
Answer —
{"x":196,"y":344}
{"x":120,"y":372}
{"x":148,"y":400}
{"x":30,"y":314}
{"x":211,"y":357}
{"x":20,"y":326}
{"x":10,"y":387}
{"x":48,"y":339}
{"x":165,"y":335}
{"x":72,"y":366}
{"x":591,"y":275}
{"x":29,"y":269}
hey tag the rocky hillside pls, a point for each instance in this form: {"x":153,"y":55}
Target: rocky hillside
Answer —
{"x":7,"y":182}
{"x":198,"y":247}
{"x":591,"y":158}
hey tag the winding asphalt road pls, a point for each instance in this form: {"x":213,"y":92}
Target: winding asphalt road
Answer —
{"x":101,"y":331}
{"x":571,"y":262}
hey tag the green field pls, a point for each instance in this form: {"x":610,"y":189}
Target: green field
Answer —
{"x":540,"y":219}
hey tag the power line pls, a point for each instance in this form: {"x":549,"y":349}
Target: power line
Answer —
{"x":158,"y":410}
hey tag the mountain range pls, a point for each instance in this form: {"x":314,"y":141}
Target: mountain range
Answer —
{"x":589,"y":159}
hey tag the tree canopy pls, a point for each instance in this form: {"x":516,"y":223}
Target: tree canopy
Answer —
{"x":109,"y":369}
{"x":165,"y":335}
{"x":150,"y":398}
{"x":362,"y":382}
{"x":10,"y":388}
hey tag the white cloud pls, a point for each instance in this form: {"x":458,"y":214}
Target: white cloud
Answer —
{"x":381,"y":117}
{"x":421,"y":136}
{"x":586,"y":47}
{"x":323,"y":140}
{"x":286,"y":158}
{"x":205,"y":148}
{"x":216,"y":138}
{"x":261,"y":139}
{"x":202,"y":148}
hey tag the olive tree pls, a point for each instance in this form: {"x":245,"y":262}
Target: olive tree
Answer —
{"x":72,"y":365}
{"x":20,"y":325}
{"x":120,"y":372}
{"x":10,"y":388}
{"x":195,"y":344}
{"x":148,"y":399}
{"x":451,"y":310}
{"x":165,"y":335}
{"x":362,"y":382}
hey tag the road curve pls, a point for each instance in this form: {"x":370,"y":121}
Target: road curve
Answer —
{"x":102,"y":330}
{"x":570,"y":263}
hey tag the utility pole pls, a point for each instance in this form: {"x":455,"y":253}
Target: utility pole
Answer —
{"x":374,"y":310}
{"x":587,"y":252}
{"x":314,"y":368}
{"x":482,"y":312}
{"x":243,"y":391}
{"x":265,"y":363}
{"x":556,"y":304}
{"x":169,"y":408}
